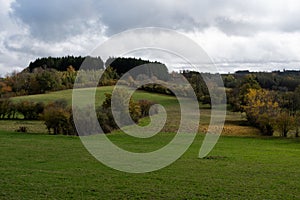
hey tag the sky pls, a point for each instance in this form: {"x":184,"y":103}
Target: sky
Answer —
{"x":237,"y":35}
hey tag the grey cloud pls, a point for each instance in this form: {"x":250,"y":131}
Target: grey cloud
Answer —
{"x":32,"y":28}
{"x":234,"y":27}
{"x":233,"y":17}
{"x":56,"y":20}
{"x":122,"y":15}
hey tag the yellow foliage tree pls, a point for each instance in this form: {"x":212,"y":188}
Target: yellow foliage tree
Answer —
{"x":262,"y":109}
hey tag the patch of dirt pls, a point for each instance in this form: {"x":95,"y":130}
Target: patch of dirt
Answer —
{"x":235,"y":130}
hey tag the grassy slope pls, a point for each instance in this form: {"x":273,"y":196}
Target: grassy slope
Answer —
{"x":67,"y":94}
{"x":59,"y":167}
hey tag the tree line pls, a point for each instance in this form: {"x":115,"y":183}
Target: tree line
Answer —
{"x":52,"y":74}
{"x":58,"y":115}
{"x":270,"y":107}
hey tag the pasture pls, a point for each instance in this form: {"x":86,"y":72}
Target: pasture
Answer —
{"x":39,"y":166}
{"x":36,"y":165}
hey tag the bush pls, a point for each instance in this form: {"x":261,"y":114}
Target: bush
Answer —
{"x":284,"y":123}
{"x":105,"y":116}
{"x":145,"y":106}
{"x":156,"y":88}
{"x":58,"y":118}
{"x":7,"y":109}
{"x":30,"y":110}
{"x":106,"y":119}
{"x":137,"y":110}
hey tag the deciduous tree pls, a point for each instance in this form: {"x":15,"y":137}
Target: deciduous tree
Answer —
{"x":261,"y":109}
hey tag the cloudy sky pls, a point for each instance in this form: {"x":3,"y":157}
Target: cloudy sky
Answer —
{"x":255,"y":35}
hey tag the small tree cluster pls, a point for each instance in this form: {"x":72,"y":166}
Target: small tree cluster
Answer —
{"x":58,"y":115}
{"x":7,"y":109}
{"x":58,"y":118}
{"x":284,"y":123}
{"x":28,"y":109}
{"x":263,"y":111}
{"x":137,"y":110}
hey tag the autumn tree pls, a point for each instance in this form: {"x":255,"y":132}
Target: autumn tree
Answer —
{"x":58,"y":118}
{"x":68,"y":77}
{"x":4,"y":89}
{"x":109,"y":77}
{"x":261,"y":109}
{"x":236,"y":97}
{"x":284,"y":123}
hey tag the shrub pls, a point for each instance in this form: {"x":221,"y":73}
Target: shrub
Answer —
{"x":7,"y":109}
{"x":29,"y":109}
{"x":122,"y":101}
{"x":157,"y":88}
{"x":137,"y":110}
{"x":106,"y":119}
{"x":145,"y":106}
{"x":58,"y":118}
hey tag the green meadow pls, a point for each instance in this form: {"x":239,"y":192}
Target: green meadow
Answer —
{"x":100,"y":96}
{"x":39,"y":166}
{"x":243,"y":165}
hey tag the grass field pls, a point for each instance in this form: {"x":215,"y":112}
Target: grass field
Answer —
{"x":67,"y":95}
{"x":38,"y":166}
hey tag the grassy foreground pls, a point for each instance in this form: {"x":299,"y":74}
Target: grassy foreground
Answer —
{"x":38,"y":166}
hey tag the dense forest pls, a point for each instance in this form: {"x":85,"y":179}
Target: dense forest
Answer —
{"x":59,"y":63}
